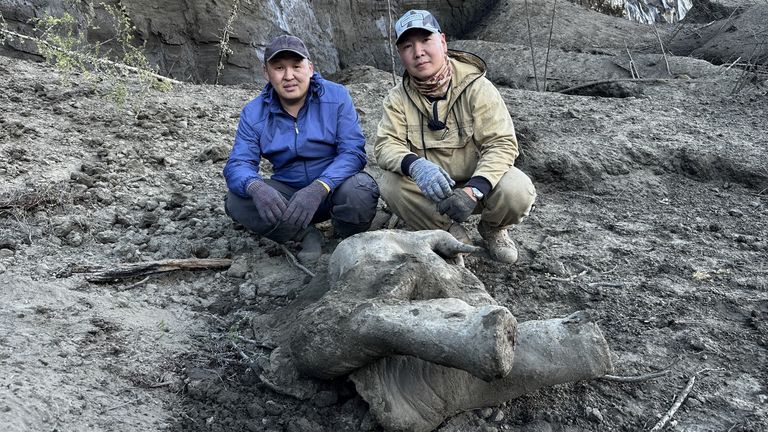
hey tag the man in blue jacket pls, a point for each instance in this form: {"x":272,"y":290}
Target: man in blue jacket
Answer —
{"x":308,"y":129}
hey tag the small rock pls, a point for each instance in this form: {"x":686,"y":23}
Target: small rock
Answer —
{"x":215,"y":153}
{"x":104,"y":196}
{"x":154,"y":244}
{"x":537,"y":426}
{"x":140,"y":239}
{"x":301,"y":424}
{"x":273,"y":408}
{"x":485,"y":412}
{"x":74,"y":239}
{"x":497,"y":416}
{"x":201,"y":251}
{"x":2,"y":269}
{"x":247,"y":291}
{"x":735,"y":212}
{"x":107,"y":237}
{"x":6,"y":253}
{"x":148,"y":219}
{"x":82,"y":178}
{"x":151,"y":204}
{"x":176,"y":201}
{"x":255,"y":411}
{"x":594,"y":415}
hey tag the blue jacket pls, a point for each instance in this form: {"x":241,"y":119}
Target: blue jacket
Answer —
{"x":325,"y":142}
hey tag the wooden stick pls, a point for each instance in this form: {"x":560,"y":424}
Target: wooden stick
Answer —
{"x":568,"y":279}
{"x":634,"y":379}
{"x":678,"y":401}
{"x":549,"y":42}
{"x":295,"y":261}
{"x":726,"y":69}
{"x":662,"y":48}
{"x":606,"y":284}
{"x":390,"y":43}
{"x":130,"y":270}
{"x":530,"y":42}
{"x":632,"y":66}
{"x":134,"y":285}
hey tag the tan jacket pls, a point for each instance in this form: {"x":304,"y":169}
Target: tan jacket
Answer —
{"x":479,"y":139}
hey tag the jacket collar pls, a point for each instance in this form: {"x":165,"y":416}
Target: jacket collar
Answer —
{"x":316,"y":90}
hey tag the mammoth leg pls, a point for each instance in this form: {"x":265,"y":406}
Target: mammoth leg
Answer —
{"x":406,"y":393}
{"x":332,"y":340}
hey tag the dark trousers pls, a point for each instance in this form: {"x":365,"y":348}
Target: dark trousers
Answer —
{"x":351,"y":208}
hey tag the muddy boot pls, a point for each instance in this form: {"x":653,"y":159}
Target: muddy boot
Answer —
{"x":311,"y":246}
{"x":500,"y":246}
{"x":459,"y":233}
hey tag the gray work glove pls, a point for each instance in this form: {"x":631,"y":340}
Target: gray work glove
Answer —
{"x":269,"y":202}
{"x":433,"y":181}
{"x":303,"y":205}
{"x":459,"y":206}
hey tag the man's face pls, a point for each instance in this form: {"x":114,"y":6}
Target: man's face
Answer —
{"x":289,"y":74}
{"x":422,"y":52}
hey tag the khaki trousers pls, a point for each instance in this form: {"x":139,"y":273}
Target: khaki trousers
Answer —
{"x":508,"y":203}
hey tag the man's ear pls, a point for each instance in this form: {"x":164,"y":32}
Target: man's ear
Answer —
{"x":264,"y":71}
{"x":311,"y":67}
{"x":444,"y":43}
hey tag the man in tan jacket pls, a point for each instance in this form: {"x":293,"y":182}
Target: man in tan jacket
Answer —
{"x":447,"y":144}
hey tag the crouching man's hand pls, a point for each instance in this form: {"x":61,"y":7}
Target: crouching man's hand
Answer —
{"x":268,"y":201}
{"x":458,"y":206}
{"x":304,"y":204}
{"x":431,"y":179}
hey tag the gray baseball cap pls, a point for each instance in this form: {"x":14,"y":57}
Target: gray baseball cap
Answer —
{"x":285,"y":43}
{"x":416,"y":19}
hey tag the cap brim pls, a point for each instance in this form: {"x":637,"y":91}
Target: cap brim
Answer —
{"x":429,"y":29}
{"x":287,"y":50}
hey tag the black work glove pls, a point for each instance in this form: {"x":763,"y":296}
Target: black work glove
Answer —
{"x":458,"y":206}
{"x":304,"y":204}
{"x":269,"y":202}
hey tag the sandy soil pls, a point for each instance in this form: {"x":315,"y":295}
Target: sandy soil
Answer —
{"x":651,"y":215}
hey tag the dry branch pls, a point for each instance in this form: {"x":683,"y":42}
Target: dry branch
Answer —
{"x":295,"y":262}
{"x":90,"y":59}
{"x":124,"y":271}
{"x":549,"y":42}
{"x":662,"y":49}
{"x":672,"y":410}
{"x":530,"y":42}
{"x":635,"y":378}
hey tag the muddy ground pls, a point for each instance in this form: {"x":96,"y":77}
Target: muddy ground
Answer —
{"x":651,"y":215}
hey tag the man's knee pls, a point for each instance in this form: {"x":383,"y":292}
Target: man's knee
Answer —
{"x":354,"y":204}
{"x":514,"y":195}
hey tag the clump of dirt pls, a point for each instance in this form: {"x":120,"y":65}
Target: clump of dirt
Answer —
{"x":650,"y":215}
